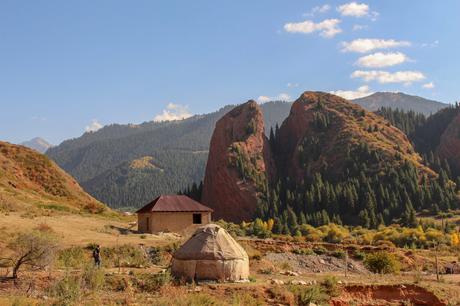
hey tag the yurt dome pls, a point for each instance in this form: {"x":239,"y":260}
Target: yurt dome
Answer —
{"x":211,"y":254}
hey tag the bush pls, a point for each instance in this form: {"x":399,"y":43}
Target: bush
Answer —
{"x":73,"y":257}
{"x":303,"y":251}
{"x":67,"y":290}
{"x":359,"y":255}
{"x":124,"y":256}
{"x":306,"y":295}
{"x":381,"y":262}
{"x":330,"y":285}
{"x":35,"y":249}
{"x":151,"y":282}
{"x":339,"y":254}
{"x":320,"y":250}
{"x":93,"y":277}
{"x":246,"y":299}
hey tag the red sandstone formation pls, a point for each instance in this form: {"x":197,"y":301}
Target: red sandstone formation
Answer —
{"x":238,"y":165}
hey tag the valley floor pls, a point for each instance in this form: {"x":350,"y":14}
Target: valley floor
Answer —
{"x":279,"y":274}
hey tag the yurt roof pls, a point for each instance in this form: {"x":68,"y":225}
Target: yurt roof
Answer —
{"x":211,"y":242}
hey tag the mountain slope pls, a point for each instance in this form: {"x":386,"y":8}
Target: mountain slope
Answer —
{"x":100,"y":160}
{"x":38,"y":144}
{"x":29,"y":179}
{"x":322,"y":129}
{"x":401,"y":101}
{"x":336,"y":162}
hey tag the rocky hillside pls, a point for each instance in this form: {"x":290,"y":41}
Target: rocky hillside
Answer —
{"x":323,"y":130}
{"x":334,"y":161}
{"x":239,"y":164}
{"x":401,"y":101}
{"x":31,"y":180}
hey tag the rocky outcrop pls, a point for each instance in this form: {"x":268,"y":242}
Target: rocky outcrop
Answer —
{"x":449,"y":146}
{"x":324,"y":131}
{"x":322,"y":134}
{"x":239,"y":164}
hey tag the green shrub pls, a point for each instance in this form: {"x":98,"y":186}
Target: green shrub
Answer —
{"x":339,"y":254}
{"x":330,"y":285}
{"x":359,"y":255}
{"x":67,"y":290}
{"x":93,"y":277}
{"x":151,"y":282}
{"x":320,"y":250}
{"x":124,"y":256}
{"x":381,"y":262}
{"x":306,"y":295}
{"x":73,"y":257}
{"x":303,"y":251}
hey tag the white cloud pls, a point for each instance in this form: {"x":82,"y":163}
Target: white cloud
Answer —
{"x":364,"y":45}
{"x":280,"y":97}
{"x":318,"y":9}
{"x":354,"y":9}
{"x":379,"y":59}
{"x":93,"y":126}
{"x":327,"y":28}
{"x":429,"y":85}
{"x":173,"y":112}
{"x":384,"y":77}
{"x":431,"y":45}
{"x":358,"y":27}
{"x":292,"y":85}
{"x":361,"y":92}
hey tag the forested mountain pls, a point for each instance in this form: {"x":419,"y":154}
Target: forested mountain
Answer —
{"x":400,"y":100}
{"x":435,"y":137}
{"x":335,"y":162}
{"x":101,"y":161}
{"x":176,"y":152}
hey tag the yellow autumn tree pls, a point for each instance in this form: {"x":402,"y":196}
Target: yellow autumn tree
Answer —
{"x":454,"y":239}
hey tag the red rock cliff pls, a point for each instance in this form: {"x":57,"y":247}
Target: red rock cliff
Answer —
{"x":238,"y":165}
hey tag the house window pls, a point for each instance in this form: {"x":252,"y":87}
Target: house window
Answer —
{"x":196,"y":218}
{"x":148,"y":224}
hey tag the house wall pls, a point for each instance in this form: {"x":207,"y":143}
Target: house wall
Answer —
{"x":170,"y":221}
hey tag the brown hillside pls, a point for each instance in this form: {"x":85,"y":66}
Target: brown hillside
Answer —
{"x":29,"y":179}
{"x":327,"y":128}
{"x":239,"y":163}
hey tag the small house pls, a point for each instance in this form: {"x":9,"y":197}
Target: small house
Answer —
{"x":172,"y":213}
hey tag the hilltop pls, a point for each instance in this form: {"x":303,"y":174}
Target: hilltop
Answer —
{"x":38,"y":144}
{"x":30,"y":181}
{"x":401,"y":101}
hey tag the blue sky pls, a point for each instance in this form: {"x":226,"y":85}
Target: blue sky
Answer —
{"x":67,"y":66}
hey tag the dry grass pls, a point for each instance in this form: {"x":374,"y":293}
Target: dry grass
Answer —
{"x":80,"y":230}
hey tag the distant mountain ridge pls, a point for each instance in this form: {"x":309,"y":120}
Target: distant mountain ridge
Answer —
{"x":100,"y":161}
{"x":38,"y":144}
{"x":400,"y":100}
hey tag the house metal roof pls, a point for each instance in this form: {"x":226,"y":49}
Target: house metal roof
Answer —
{"x":174,"y":203}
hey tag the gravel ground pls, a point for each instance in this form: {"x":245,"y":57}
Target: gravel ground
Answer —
{"x":315,"y":263}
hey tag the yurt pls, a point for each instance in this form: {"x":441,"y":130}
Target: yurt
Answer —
{"x":211,"y":254}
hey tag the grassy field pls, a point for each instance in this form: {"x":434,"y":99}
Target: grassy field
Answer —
{"x":128,"y":277}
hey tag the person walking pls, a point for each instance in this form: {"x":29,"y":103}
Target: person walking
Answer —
{"x":97,"y":256}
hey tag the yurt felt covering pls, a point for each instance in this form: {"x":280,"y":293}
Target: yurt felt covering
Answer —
{"x":211,"y":254}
